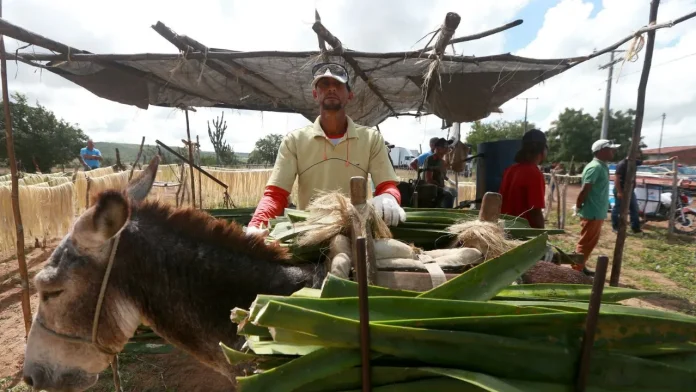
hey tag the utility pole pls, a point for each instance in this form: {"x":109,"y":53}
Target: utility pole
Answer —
{"x":526,"y":101}
{"x":659,"y":150}
{"x":607,"y":97}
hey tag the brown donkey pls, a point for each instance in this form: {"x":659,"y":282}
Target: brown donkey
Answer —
{"x":128,"y":261}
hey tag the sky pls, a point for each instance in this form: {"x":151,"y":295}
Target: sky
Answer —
{"x":551,"y":29}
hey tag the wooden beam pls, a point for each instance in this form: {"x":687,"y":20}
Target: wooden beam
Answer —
{"x":336,"y":44}
{"x":446,"y":32}
{"x":137,"y":158}
{"x":635,"y":145}
{"x":76,"y":55}
{"x":322,"y":43}
{"x":190,"y":154}
{"x":67,"y":52}
{"x":480,"y":35}
{"x":187,"y":44}
{"x":14,"y":193}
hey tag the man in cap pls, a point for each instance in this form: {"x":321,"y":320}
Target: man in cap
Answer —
{"x":593,"y":201}
{"x":419,"y":161}
{"x":436,"y":172}
{"x":325,"y":155}
{"x":619,"y":182}
{"x":523,"y":185}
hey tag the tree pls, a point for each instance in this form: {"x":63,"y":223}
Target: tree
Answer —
{"x":572,"y":135}
{"x":266,"y":149}
{"x":223,"y":152}
{"x":620,"y":130}
{"x":38,"y":133}
{"x":494,"y":131}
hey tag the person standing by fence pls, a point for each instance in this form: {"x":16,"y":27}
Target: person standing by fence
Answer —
{"x":91,"y":155}
{"x":593,"y":201}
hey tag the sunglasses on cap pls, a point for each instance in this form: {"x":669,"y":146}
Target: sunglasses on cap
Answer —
{"x":331,"y":70}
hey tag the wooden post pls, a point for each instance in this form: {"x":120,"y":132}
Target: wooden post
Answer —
{"x":565,"y":207}
{"x":190,"y":150}
{"x":181,"y":183}
{"x":675,"y":195}
{"x":558,"y":206}
{"x":358,"y":197}
{"x":635,"y":142}
{"x":591,"y":324}
{"x":490,"y":207}
{"x":119,"y":165}
{"x":200,"y":182}
{"x":137,"y":158}
{"x":19,"y":230}
{"x":89,"y":185}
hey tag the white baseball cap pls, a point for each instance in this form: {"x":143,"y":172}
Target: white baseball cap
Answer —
{"x":603,"y":143}
{"x":329,"y":70}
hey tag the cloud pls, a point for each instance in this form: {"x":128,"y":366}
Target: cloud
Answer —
{"x":570,"y":28}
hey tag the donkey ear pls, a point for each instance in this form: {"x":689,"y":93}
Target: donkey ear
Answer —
{"x":102,"y":221}
{"x":139,"y":187}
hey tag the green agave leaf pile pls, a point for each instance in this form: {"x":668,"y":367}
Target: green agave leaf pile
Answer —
{"x":476,"y":332}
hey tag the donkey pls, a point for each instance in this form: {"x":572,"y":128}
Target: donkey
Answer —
{"x":128,"y":261}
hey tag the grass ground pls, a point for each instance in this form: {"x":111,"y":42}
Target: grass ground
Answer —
{"x":651,"y":261}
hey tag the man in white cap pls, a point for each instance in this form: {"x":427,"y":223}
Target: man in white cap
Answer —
{"x":593,"y":201}
{"x":325,"y":155}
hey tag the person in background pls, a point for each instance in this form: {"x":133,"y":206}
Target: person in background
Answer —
{"x":436,"y":170}
{"x":325,"y":155}
{"x":523,"y":186}
{"x":419,"y":161}
{"x":619,"y":182}
{"x":593,"y":200}
{"x":91,"y":155}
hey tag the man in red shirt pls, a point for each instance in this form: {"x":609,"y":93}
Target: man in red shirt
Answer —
{"x":523,"y":186}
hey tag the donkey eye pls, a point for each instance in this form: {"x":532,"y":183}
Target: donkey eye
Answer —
{"x":45,"y":296}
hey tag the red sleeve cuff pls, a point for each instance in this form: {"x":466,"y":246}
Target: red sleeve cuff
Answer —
{"x":389,"y":187}
{"x":272,"y":204}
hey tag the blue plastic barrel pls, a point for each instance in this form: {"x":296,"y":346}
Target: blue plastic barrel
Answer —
{"x":497,"y":156}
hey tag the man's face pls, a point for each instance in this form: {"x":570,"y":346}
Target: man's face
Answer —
{"x":440,"y":151}
{"x":331,"y":94}
{"x":606,"y":154}
{"x":90,"y":144}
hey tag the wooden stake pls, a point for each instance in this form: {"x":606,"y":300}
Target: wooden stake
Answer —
{"x":635,"y":143}
{"x":190,"y":150}
{"x":490,"y":207}
{"x":591,"y":324}
{"x":358,"y":197}
{"x":675,"y":195}
{"x":19,"y":230}
{"x":560,"y":201}
{"x":200,"y":182}
{"x":137,"y":158}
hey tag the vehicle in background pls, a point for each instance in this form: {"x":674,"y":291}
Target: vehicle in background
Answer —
{"x":400,"y":157}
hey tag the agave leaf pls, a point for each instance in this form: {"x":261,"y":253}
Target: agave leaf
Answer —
{"x":485,"y":280}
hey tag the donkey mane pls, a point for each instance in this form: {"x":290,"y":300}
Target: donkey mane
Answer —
{"x":205,"y":228}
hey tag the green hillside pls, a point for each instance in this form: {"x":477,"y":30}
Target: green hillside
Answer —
{"x":129,"y":151}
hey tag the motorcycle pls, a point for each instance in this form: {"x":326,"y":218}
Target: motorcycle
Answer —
{"x":684,"y":218}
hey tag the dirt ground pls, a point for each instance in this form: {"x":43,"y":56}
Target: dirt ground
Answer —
{"x":178,"y":372}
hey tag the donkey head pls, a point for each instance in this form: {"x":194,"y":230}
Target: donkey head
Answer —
{"x":60,"y":353}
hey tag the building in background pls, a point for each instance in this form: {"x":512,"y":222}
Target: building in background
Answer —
{"x":686,"y":155}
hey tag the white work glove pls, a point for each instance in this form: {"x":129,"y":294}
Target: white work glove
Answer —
{"x":388,"y":209}
{"x":253,"y":230}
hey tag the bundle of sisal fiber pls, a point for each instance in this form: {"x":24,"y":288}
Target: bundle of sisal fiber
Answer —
{"x":47,"y":212}
{"x":331,"y":214}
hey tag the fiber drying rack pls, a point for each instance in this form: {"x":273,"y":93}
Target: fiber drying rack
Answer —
{"x":490,"y":212}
